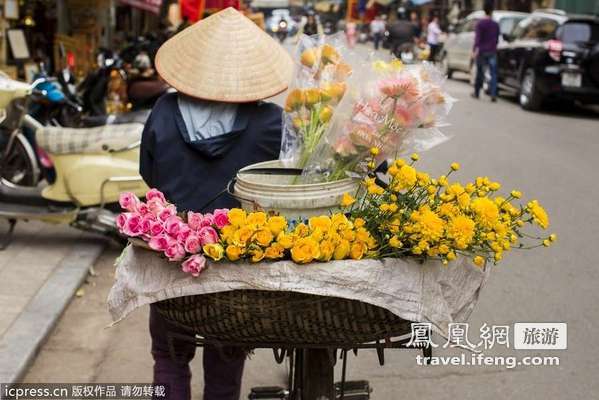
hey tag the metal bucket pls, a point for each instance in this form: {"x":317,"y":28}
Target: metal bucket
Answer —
{"x":272,"y":192}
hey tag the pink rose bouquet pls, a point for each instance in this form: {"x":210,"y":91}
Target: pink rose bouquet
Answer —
{"x":181,"y":238}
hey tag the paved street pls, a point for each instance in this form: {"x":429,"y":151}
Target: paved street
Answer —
{"x":551,"y":156}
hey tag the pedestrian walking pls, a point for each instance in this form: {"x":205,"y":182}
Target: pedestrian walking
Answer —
{"x":484,"y":52}
{"x":351,"y":33}
{"x":193,"y":144}
{"x":433,"y":38}
{"x":377,"y":30}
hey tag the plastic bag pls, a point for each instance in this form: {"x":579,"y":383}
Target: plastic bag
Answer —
{"x":395,"y":108}
{"x":317,"y":88}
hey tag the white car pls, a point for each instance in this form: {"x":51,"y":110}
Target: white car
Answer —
{"x":457,"y":49}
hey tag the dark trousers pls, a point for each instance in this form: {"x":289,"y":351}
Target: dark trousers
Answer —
{"x":376,"y":38}
{"x":223,"y":368}
{"x":434,"y":50}
{"x":484,"y":60}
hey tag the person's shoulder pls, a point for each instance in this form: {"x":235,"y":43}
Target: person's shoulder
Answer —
{"x":167,"y":100}
{"x":267,"y":109}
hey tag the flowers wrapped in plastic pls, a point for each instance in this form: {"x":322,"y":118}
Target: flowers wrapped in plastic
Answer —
{"x":318,"y":86}
{"x":395,"y":108}
{"x":413,"y":215}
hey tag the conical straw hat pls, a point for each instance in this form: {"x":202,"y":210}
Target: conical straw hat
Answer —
{"x":225,"y":57}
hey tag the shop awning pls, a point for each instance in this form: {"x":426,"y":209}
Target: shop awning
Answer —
{"x":152,"y":6}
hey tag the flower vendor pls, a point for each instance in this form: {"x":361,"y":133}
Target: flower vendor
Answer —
{"x":193,"y":144}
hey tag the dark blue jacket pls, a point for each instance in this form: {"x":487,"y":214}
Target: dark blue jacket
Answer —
{"x":191,"y":174}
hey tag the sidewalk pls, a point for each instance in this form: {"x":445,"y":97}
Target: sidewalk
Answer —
{"x":39,"y":273}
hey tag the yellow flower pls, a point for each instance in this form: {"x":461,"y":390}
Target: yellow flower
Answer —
{"x":327,"y":248}
{"x":256,"y":219}
{"x":275,"y":251}
{"x":451,"y":256}
{"x":374,"y":151}
{"x":461,"y":230}
{"x":237,"y":216}
{"x":234,"y":253}
{"x":415,"y":157}
{"x":309,"y":57}
{"x":347,"y":200}
{"x":479,"y":261}
{"x":263,"y":237}
{"x":396,"y":64}
{"x":455,"y":166}
{"x":516,"y":194}
{"x":257,"y":254}
{"x":301,"y":230}
{"x":325,"y":114}
{"x":552,"y":237}
{"x":357,"y":250}
{"x":285,"y":240}
{"x":546,"y":243}
{"x":295,"y":100}
{"x":486,"y":211}
{"x":312,"y":96}
{"x":330,"y":54}
{"x":342,"y":250}
{"x":323,"y":222}
{"x":539,"y":214}
{"x":406,"y":177}
{"x":395,"y":242}
{"x":214,"y":251}
{"x":340,"y":222}
{"x":305,"y":250}
{"x":359,"y":222}
{"x":393,"y":170}
{"x":495,"y":186}
{"x":429,"y":224}
{"x":242,"y":236}
{"x":277,"y":224}
{"x":227,"y":233}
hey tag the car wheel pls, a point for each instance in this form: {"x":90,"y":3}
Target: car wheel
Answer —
{"x":445,"y":66}
{"x":529,"y":97}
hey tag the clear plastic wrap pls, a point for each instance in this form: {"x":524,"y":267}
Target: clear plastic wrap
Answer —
{"x":397,"y":109}
{"x":318,"y":86}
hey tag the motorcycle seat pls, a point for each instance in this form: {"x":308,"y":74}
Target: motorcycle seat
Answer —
{"x":107,"y":138}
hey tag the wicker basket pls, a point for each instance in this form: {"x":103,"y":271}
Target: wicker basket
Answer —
{"x":282,"y":318}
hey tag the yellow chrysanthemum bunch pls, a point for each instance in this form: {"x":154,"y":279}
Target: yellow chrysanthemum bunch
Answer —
{"x":258,"y":236}
{"x":414,"y":214}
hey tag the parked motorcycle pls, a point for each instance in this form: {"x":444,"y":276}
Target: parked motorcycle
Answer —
{"x":92,"y":165}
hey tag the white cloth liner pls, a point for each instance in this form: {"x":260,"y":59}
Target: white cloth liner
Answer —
{"x":417,"y":292}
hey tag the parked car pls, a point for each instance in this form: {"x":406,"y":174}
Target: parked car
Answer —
{"x":457,"y":50}
{"x":552,"y":55}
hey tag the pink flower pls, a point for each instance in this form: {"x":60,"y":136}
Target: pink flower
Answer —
{"x":193,"y":244}
{"x":155,"y":194}
{"x":128,"y":201}
{"x":194,"y":220}
{"x":184,"y":232}
{"x":207,"y":221}
{"x":208,"y":235}
{"x":194,"y":265}
{"x":173,"y":225}
{"x":132,"y":226}
{"x":156,"y":228}
{"x":175,"y":251}
{"x":121,"y":219}
{"x":167,"y":212}
{"x":221,"y":217}
{"x":159,"y":242}
{"x":142,"y":208}
{"x":155,"y":206}
{"x":146,"y":223}
{"x":402,"y":86}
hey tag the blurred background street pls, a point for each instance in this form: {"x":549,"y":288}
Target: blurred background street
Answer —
{"x":54,"y":279}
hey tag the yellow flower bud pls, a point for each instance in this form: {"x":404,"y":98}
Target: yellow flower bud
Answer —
{"x":516,"y":194}
{"x":325,"y":114}
{"x":479,"y":261}
{"x":546,"y":243}
{"x":455,"y":166}
{"x":309,"y":57}
{"x":552,"y":237}
{"x":415,"y":157}
{"x":374,"y":151}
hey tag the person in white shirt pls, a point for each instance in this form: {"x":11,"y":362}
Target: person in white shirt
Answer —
{"x":433,"y":34}
{"x":377,"y":29}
